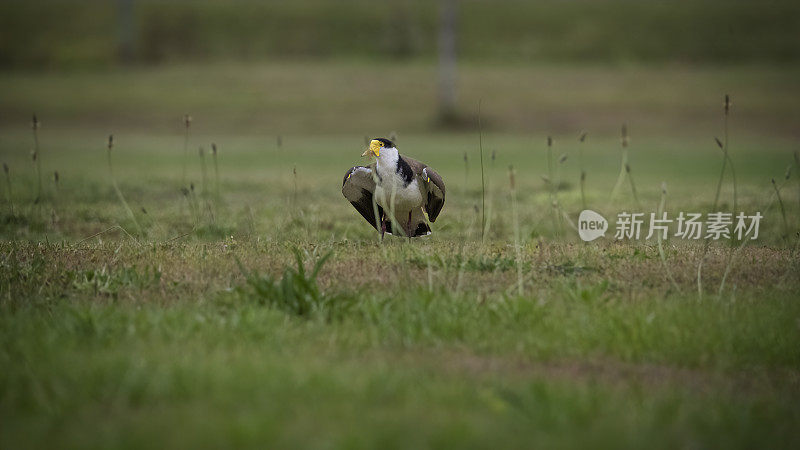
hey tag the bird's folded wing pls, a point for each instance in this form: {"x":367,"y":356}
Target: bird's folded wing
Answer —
{"x":435,"y":189}
{"x":358,"y":186}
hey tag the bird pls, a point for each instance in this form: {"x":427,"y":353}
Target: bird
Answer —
{"x":394,"y":191}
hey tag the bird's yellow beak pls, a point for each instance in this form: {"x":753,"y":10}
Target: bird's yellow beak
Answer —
{"x":374,"y":148}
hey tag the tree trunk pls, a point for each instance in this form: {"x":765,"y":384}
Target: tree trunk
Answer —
{"x":126,"y":31}
{"x":447,"y":62}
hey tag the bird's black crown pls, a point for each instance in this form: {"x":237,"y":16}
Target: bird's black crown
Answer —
{"x":386,"y":142}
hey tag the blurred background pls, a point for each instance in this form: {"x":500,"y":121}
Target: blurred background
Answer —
{"x":119,"y":322}
{"x":367,"y":67}
{"x":101,"y":33}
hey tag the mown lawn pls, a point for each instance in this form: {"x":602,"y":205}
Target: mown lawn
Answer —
{"x":114,"y":345}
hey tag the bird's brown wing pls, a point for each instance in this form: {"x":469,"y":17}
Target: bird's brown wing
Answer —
{"x":358,"y":186}
{"x":433,"y":187}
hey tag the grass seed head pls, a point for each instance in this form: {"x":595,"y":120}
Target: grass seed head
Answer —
{"x":788,"y":173}
{"x":511,"y":177}
{"x":214,"y":149}
{"x":110,"y":142}
{"x":465,"y":157}
{"x":494,"y":155}
{"x":201,"y":152}
{"x":627,"y":168}
{"x":34,"y":155}
{"x":727,"y":104}
{"x":582,"y":137}
{"x":549,"y":141}
{"x":562,"y":159}
{"x":187,"y":120}
{"x":35,"y":124}
{"x":583,"y":175}
{"x":5,"y":168}
{"x":719,"y":143}
{"x":55,"y":176}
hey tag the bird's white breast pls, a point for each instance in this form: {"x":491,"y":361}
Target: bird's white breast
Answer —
{"x":405,"y":197}
{"x":391,"y":185}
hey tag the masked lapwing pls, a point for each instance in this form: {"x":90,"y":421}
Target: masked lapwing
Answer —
{"x":394,"y":191}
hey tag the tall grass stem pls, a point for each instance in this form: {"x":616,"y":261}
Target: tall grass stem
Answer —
{"x":9,"y":194}
{"x":116,"y":187}
{"x":515,"y":219}
{"x":216,"y":172}
{"x":581,"y":140}
{"x":204,"y":170}
{"x":37,"y":157}
{"x":633,"y":186}
{"x":782,"y":208}
{"x":623,"y":163}
{"x":483,"y":181}
{"x":661,"y":207}
{"x":187,"y":121}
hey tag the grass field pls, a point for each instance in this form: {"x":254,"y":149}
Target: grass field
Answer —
{"x":186,"y":322}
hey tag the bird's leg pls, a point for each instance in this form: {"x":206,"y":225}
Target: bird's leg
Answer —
{"x":383,"y":227}
{"x":408,"y":226}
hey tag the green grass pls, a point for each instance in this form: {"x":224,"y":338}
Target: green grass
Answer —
{"x":148,"y":358}
{"x":258,"y":319}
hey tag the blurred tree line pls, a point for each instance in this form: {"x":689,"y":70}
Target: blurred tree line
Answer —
{"x":63,"y":34}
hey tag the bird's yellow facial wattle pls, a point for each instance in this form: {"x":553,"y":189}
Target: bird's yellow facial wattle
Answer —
{"x":374,"y":148}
